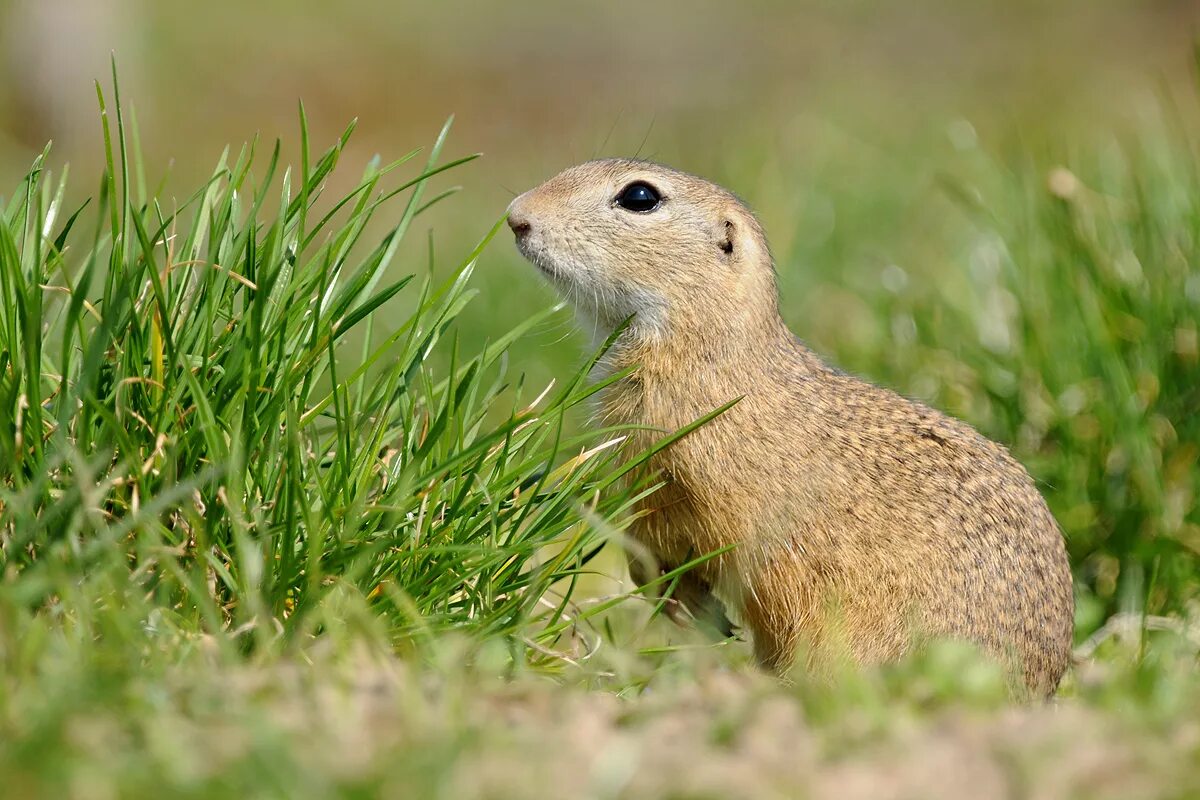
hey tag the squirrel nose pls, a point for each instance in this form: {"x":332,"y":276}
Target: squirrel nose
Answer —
{"x":518,"y":220}
{"x":520,"y":226}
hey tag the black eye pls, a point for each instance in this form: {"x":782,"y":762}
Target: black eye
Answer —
{"x":640,"y":197}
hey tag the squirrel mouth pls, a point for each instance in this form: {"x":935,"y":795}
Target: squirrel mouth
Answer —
{"x":535,"y":256}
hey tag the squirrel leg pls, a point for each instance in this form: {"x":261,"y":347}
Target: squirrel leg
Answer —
{"x":777,"y":625}
{"x":694,"y":594}
{"x":691,"y":599}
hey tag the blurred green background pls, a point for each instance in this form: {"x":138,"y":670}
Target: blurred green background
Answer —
{"x":898,"y":155}
{"x":833,"y":119}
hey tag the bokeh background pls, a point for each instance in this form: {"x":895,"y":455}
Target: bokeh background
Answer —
{"x":856,"y":129}
{"x":834,"y":119}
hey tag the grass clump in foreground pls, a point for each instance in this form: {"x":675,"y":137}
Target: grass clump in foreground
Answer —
{"x":263,"y":535}
{"x":213,"y":423}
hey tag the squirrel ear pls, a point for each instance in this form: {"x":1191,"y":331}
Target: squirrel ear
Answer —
{"x":726,"y":240}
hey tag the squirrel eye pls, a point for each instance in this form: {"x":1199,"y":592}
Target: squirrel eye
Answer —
{"x":640,"y":197}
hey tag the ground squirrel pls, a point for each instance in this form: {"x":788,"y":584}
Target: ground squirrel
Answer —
{"x":858,"y":516}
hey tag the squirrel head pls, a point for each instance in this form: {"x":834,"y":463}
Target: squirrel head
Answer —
{"x":625,"y":239}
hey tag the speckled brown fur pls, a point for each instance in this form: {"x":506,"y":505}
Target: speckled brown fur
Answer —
{"x":861,"y":519}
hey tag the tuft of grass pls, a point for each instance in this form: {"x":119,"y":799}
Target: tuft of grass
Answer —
{"x":216,"y":419}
